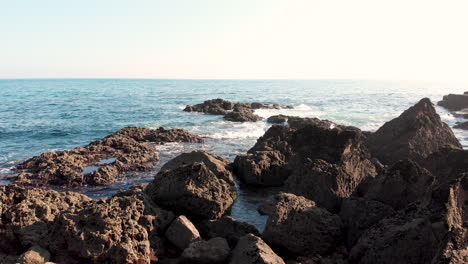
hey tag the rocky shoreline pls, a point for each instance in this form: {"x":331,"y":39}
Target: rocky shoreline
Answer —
{"x":398,"y":195}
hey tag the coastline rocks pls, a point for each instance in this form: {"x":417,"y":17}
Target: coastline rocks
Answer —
{"x":277,"y":119}
{"x":215,"y":163}
{"x":415,"y":134}
{"x":235,"y":112}
{"x":102,"y":161}
{"x":27,"y":215}
{"x":301,"y":228}
{"x":463,"y":125}
{"x":253,"y":250}
{"x":227,"y":227}
{"x":454,"y":102}
{"x":315,"y":158}
{"x":182,"y":232}
{"x":215,"y":250}
{"x":194,"y":190}
{"x":242,"y":114}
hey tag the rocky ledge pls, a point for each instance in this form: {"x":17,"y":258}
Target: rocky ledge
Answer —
{"x":103,"y":161}
{"x":236,"y":112}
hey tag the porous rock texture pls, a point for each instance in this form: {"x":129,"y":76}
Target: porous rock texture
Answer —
{"x":128,"y":148}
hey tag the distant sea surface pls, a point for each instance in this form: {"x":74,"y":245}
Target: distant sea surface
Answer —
{"x":43,"y":115}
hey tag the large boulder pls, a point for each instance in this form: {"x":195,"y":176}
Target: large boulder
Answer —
{"x":454,"y":102}
{"x":415,"y":134}
{"x":194,"y":190}
{"x":215,"y":163}
{"x":316,"y":158}
{"x":301,"y":228}
{"x":215,"y":250}
{"x":253,"y":250}
{"x":103,"y":161}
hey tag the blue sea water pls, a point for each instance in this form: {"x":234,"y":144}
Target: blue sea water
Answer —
{"x":43,"y":115}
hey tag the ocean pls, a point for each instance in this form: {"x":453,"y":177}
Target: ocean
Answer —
{"x":44,"y":115}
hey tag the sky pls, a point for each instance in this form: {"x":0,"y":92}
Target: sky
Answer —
{"x":235,"y":39}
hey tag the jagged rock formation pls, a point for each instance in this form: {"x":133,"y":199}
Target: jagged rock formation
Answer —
{"x":415,"y":134}
{"x":102,"y":161}
{"x":253,"y":250}
{"x":316,"y":158}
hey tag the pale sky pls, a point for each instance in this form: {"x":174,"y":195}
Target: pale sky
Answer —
{"x":235,"y":39}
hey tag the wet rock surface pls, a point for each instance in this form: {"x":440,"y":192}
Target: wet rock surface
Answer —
{"x":235,"y":112}
{"x":215,"y":250}
{"x":463,"y":125}
{"x":415,"y":134}
{"x":126,"y":150}
{"x":277,"y":119}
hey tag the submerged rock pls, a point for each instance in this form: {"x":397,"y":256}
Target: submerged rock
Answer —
{"x":193,"y":189}
{"x":127,"y":149}
{"x":415,"y":134}
{"x":253,"y":250}
{"x":301,"y":228}
{"x":454,"y":102}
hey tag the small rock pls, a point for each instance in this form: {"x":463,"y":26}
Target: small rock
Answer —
{"x":277,"y":119}
{"x":182,"y":232}
{"x":227,"y":227}
{"x":215,"y":250}
{"x":253,"y":250}
{"x":35,"y":255}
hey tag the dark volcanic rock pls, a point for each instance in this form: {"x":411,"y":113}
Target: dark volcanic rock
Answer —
{"x":454,"y":102}
{"x":277,"y":119}
{"x":463,"y":125}
{"x":253,"y":250}
{"x":125,"y":149}
{"x":242,"y":114}
{"x":193,"y":189}
{"x":228,"y":228}
{"x":403,"y":183}
{"x":415,"y":134}
{"x":300,"y":227}
{"x":317,"y":158}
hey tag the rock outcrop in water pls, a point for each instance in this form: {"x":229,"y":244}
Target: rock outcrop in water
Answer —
{"x":454,"y":102}
{"x":463,"y":125}
{"x":102,"y":161}
{"x":236,"y":112}
{"x":314,"y":158}
{"x":415,"y":134}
